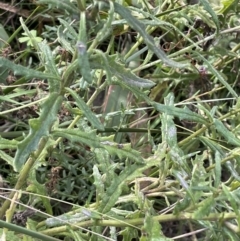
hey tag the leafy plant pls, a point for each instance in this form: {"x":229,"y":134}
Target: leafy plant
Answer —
{"x":121,"y":122}
{"x":30,"y":40}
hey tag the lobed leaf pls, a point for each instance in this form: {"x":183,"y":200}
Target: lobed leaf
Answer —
{"x":122,"y":151}
{"x":76,"y":135}
{"x":114,"y":191}
{"x":39,"y":128}
{"x":24,"y":71}
{"x":153,"y":229}
{"x":36,"y":187}
{"x":115,"y":69}
{"x":204,"y":208}
{"x":8,"y":144}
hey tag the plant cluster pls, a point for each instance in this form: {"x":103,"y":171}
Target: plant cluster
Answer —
{"x":120,"y":120}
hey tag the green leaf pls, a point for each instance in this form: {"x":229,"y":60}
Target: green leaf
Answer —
{"x":106,"y":30}
{"x":217,"y":74}
{"x":115,"y":69}
{"x":169,"y":131}
{"x":65,"y":5}
{"x":4,"y":35}
{"x":98,"y":182}
{"x":234,"y":200}
{"x":82,"y":51}
{"x":76,"y":135}
{"x":35,"y":187}
{"x":209,"y":9}
{"x":6,"y":158}
{"x":153,"y":230}
{"x":63,"y":38}
{"x":184,"y":184}
{"x":39,"y":128}
{"x":122,"y":151}
{"x":227,"y":6}
{"x":183,"y":114}
{"x":214,"y":146}
{"x":204,"y":208}
{"x":154,"y":21}
{"x":31,"y":39}
{"x":8,"y":144}
{"x":24,"y":71}
{"x":91,"y":117}
{"x":140,"y":28}
{"x":232,"y":170}
{"x":217,"y":169}
{"x":224,"y":132}
{"x":91,"y":139}
{"x":72,"y":217}
{"x":70,"y":29}
{"x":129,"y":233}
{"x":48,"y":62}
{"x":114,"y":191}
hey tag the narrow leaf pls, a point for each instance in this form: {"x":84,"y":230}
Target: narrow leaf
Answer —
{"x":169,"y":131}
{"x":118,"y":70}
{"x":107,"y":27}
{"x":214,"y":146}
{"x":232,"y":170}
{"x":82,"y":50}
{"x":217,"y":169}
{"x":70,"y":30}
{"x":140,"y":28}
{"x":234,"y":200}
{"x":122,"y":151}
{"x":217,"y":74}
{"x":48,"y":60}
{"x":24,"y":71}
{"x":183,"y":114}
{"x":98,"y":182}
{"x":75,"y":135}
{"x":6,"y":158}
{"x":65,"y":5}
{"x":224,"y":132}
{"x":209,"y":9}
{"x":86,"y":110}
{"x":227,"y":5}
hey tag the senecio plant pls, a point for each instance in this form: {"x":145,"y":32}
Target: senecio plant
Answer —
{"x":121,"y":122}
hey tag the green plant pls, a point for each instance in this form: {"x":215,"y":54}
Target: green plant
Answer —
{"x":126,"y":124}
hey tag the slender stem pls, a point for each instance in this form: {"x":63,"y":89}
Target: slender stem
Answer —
{"x":28,"y":232}
{"x":140,"y":221}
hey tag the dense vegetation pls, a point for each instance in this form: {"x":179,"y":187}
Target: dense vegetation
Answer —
{"x":119,"y":120}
